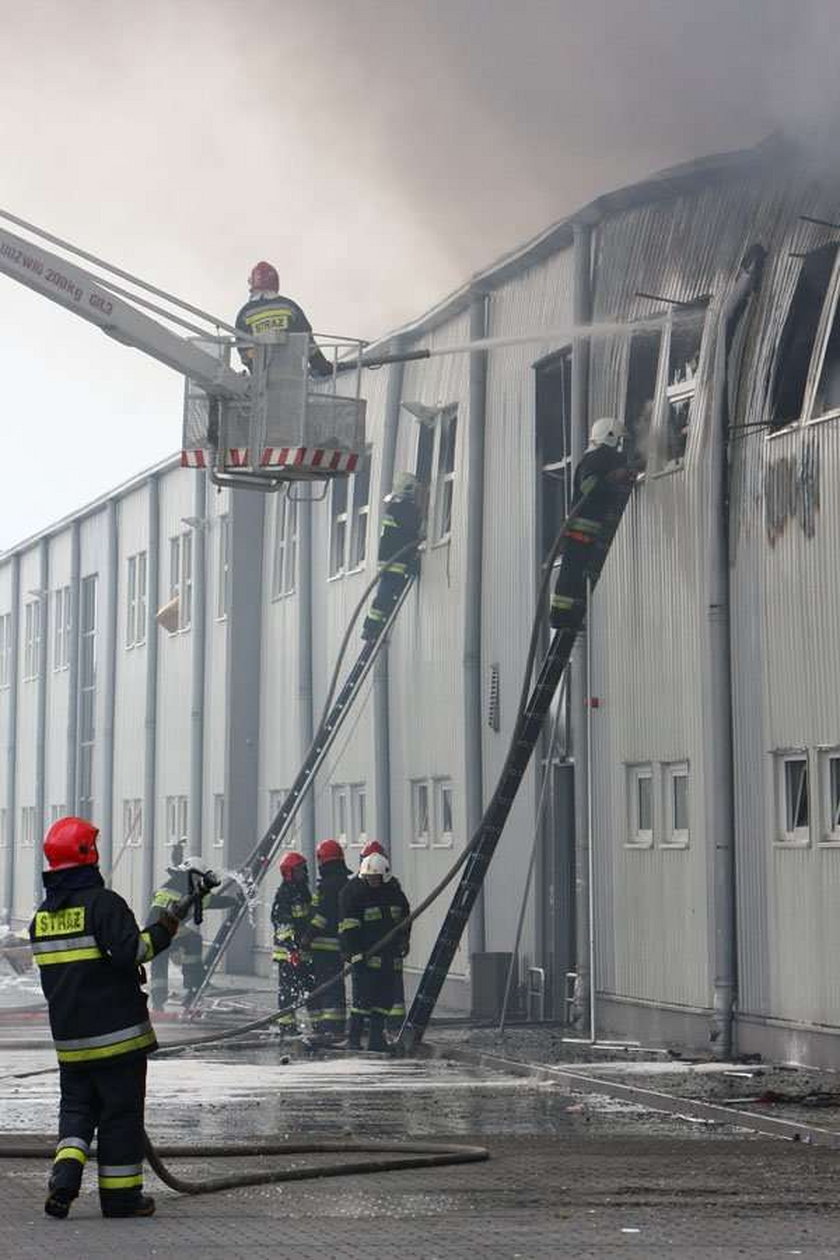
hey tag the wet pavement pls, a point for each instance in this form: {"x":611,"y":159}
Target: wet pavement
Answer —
{"x":571,"y":1173}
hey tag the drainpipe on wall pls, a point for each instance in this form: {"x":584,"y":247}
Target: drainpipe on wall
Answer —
{"x":41,"y":717}
{"x":381,"y":700}
{"x":71,"y":789}
{"x":306,"y":718}
{"x":473,"y":750}
{"x":11,"y":743}
{"x":721,"y":807}
{"x":581,"y":314}
{"x":199,"y":655}
{"x":150,"y":751}
{"x":106,"y":841}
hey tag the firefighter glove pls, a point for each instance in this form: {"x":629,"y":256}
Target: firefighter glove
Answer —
{"x":170,"y":921}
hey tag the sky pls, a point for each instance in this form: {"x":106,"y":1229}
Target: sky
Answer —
{"x":378,"y":152}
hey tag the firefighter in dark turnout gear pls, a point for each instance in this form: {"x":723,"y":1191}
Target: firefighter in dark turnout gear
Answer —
{"x":401,"y":525}
{"x":268,"y":311}
{"x":90,"y":954}
{"x":327,"y":1011}
{"x":371,"y":905}
{"x":188,"y":947}
{"x":290,"y":918}
{"x":396,"y":1015}
{"x":597,"y":496}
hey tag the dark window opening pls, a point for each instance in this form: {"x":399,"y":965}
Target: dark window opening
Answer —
{"x":796,"y":794}
{"x":828,"y":390}
{"x":425,"y":449}
{"x":641,"y":392}
{"x":683,"y":359}
{"x":554,"y":443}
{"x":797,"y":340}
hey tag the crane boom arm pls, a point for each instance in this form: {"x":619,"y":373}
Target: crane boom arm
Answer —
{"x":78,"y":291}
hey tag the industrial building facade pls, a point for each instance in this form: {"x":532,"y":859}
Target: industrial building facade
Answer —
{"x":689,"y":793}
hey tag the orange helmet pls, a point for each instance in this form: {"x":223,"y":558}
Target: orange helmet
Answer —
{"x":263,"y":278}
{"x":289,"y":863}
{"x":372,"y":846}
{"x":329,"y":851}
{"x":71,"y":842}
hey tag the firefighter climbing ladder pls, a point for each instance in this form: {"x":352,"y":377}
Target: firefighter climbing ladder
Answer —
{"x":259,"y":862}
{"x":483,"y":845}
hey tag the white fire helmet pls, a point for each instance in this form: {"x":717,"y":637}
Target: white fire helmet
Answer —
{"x":606,"y":432}
{"x":194,"y":863}
{"x":405,"y":483}
{"x":376,"y":864}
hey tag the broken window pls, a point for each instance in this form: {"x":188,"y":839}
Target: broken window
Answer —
{"x":796,"y":344}
{"x":554,"y":443}
{"x":828,"y":390}
{"x":683,"y":359}
{"x":641,"y":393}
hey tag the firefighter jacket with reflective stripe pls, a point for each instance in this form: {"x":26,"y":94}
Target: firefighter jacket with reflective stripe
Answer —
{"x":278,"y":314}
{"x":290,"y":918}
{"x":401,"y":524}
{"x":597,"y":487}
{"x":322,"y":933}
{"x":89,"y":951}
{"x":367,"y":914}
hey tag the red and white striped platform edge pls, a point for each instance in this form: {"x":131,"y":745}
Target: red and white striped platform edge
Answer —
{"x":280,"y":457}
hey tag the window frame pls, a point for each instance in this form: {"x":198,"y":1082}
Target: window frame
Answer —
{"x":420,"y":839}
{"x":441,"y":838}
{"x":276,"y":797}
{"x":223,"y":568}
{"x":136,"y":599}
{"x":346,"y":524}
{"x":285,"y":548}
{"x":829,"y":312}
{"x":219,"y":820}
{"x":829,"y":835}
{"x":33,"y":624}
{"x":358,"y":816}
{"x":181,"y":578}
{"x":61,"y":629}
{"x":340,"y":806}
{"x":638,"y":837}
{"x":177,"y":819}
{"x":798,"y":837}
{"x":132,"y":822}
{"x":673,"y":837}
{"x":443,"y":478}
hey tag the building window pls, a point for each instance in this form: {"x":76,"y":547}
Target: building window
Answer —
{"x":87,"y":692}
{"x":640,"y":805}
{"x":340,"y":812}
{"x":640,"y":399}
{"x":446,"y":434}
{"x":176,"y":819}
{"x":5,"y":650}
{"x":684,"y":342}
{"x":223,"y":583}
{"x":61,"y":628}
{"x":180,"y":578}
{"x":219,"y":821}
{"x":443,"y":824}
{"x":338,"y":525}
{"x":132,"y":823}
{"x":358,"y":814}
{"x":349,"y":515}
{"x":284,"y":560}
{"x":28,"y":827}
{"x":56,"y":812}
{"x":31,"y":640}
{"x":792,"y":798}
{"x":554,"y":443}
{"x":135,"y":602}
{"x":276,"y":797}
{"x":793,"y":358}
{"x":359,"y":512}
{"x":829,"y":774}
{"x":421,"y":814}
{"x":675,"y":803}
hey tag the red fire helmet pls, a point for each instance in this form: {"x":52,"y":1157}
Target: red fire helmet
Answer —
{"x":329,"y":851}
{"x":263,"y":278}
{"x":71,"y":842}
{"x":289,"y":862}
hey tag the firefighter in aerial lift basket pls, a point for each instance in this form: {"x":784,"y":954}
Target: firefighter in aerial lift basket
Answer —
{"x":267,"y":311}
{"x":290,"y":916}
{"x":90,"y":955}
{"x":599,"y":488}
{"x":401,"y":526}
{"x":371,"y":906}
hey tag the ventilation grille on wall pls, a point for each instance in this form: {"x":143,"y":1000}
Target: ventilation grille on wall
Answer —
{"x":493,"y":702}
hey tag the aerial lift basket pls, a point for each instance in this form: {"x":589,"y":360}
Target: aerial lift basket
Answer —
{"x":283,"y":427}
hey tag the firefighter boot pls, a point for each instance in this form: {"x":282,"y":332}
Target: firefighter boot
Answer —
{"x":58,"y":1203}
{"x":354,"y":1031}
{"x":376,"y":1040}
{"x":144,"y":1205}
